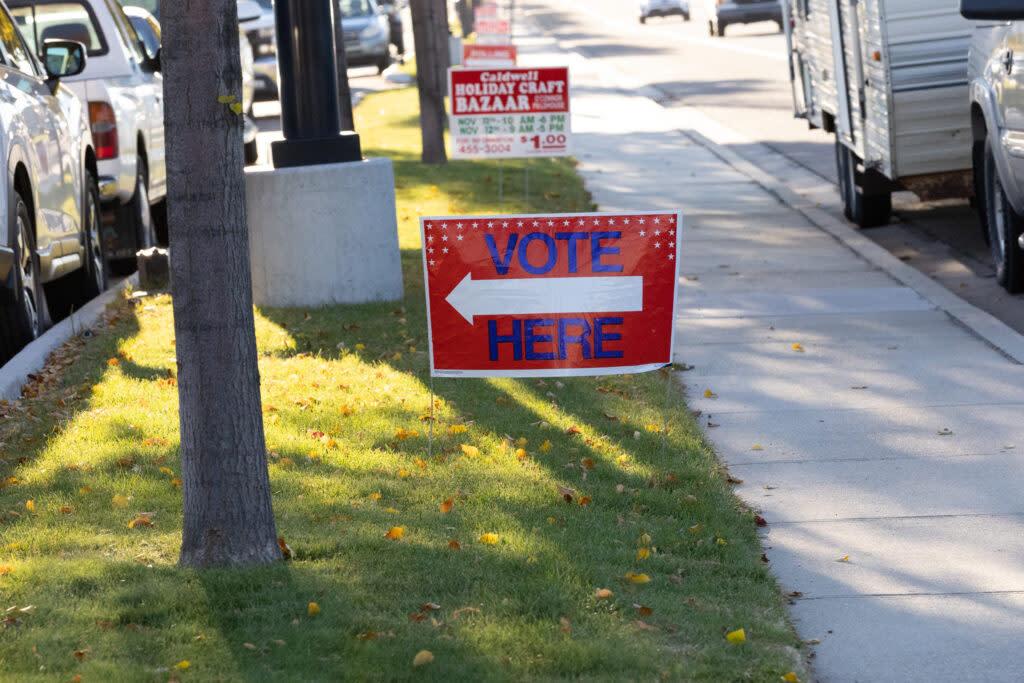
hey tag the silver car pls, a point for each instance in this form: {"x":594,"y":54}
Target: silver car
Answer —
{"x":50,"y":247}
{"x":994,"y":72}
{"x":722,"y":13}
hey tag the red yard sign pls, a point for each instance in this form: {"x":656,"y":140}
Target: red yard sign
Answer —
{"x":487,"y":56}
{"x":550,"y":295}
{"x":513,"y":112}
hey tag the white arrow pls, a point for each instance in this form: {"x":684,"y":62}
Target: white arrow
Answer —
{"x":547,"y":295}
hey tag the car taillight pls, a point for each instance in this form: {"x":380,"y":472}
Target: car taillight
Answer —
{"x":103,"y":124}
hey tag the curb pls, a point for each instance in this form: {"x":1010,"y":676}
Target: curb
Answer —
{"x":996,"y":333}
{"x":14,"y":373}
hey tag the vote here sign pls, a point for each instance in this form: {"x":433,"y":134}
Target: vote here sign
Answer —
{"x":512,"y":112}
{"x":550,"y":295}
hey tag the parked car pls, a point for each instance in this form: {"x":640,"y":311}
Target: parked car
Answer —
{"x":721,"y":13}
{"x":147,"y":26}
{"x":261,"y":34}
{"x":663,"y":8}
{"x":123,"y":89}
{"x":52,"y":255}
{"x":994,"y":69}
{"x":367,"y":33}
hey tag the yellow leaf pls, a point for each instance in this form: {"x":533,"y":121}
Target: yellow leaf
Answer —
{"x":346,"y":410}
{"x":696,"y":528}
{"x":119,"y":501}
{"x":471,"y":451}
{"x":6,"y":569}
{"x":721,"y":541}
{"x":313,"y":609}
{"x":286,"y":462}
{"x":183,"y":664}
{"x":637,"y":578}
{"x":521,"y":454}
{"x":225,"y":99}
{"x":844,"y":558}
{"x":644,"y":539}
{"x":404,"y":473}
{"x":397,"y":356}
{"x":603,"y":593}
{"x":521,"y":442}
{"x":360,"y":347}
{"x":797,"y":347}
{"x":446,"y":506}
{"x":390,"y":510}
{"x":423,"y":657}
{"x":375,"y":496}
{"x":791,"y":678}
{"x":545,"y":446}
{"x":489,"y":539}
{"x":176,"y":481}
{"x":643,"y":554}
{"x":30,"y":505}
{"x":653,"y":428}
{"x":756,"y":448}
{"x":13,"y":545}
{"x":395,"y":533}
{"x":531,"y":560}
{"x":709,"y":394}
{"x":167,"y":470}
{"x":274,"y":419}
{"x":457,"y":429}
{"x":140,"y":522}
{"x":736,"y":637}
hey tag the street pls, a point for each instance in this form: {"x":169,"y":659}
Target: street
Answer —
{"x":741,"y":81}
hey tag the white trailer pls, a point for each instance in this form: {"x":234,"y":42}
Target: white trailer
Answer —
{"x":889,"y":78}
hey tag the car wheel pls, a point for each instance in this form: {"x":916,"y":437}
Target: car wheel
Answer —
{"x":20,"y":316}
{"x":1005,"y":227}
{"x":136,"y":217}
{"x":720,"y":28}
{"x":252,"y":152}
{"x":979,"y":202}
{"x":864,"y":201}
{"x":711,"y":28}
{"x":94,"y":273}
{"x":643,"y":19}
{"x":383,"y":63}
{"x":686,"y":17}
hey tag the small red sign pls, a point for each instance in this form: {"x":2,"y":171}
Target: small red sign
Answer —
{"x":488,"y":56}
{"x":550,"y":295}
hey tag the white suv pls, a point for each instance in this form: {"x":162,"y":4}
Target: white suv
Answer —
{"x":123,"y":89}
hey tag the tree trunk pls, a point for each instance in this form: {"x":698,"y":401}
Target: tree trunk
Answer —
{"x":228,"y":518}
{"x":344,"y":91}
{"x":430,"y":35}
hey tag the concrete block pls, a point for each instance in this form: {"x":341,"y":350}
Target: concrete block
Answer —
{"x":323,"y":235}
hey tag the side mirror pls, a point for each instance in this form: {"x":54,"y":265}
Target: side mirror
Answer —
{"x":992,"y":10}
{"x":63,"y":58}
{"x":249,"y":10}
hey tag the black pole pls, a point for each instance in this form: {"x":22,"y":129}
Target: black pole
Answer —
{"x":309,"y":87}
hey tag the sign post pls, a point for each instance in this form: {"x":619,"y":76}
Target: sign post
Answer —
{"x":550,"y":295}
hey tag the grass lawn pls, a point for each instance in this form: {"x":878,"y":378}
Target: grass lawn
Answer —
{"x":489,"y":568}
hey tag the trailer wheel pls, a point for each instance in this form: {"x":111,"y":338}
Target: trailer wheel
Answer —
{"x":867,"y":200}
{"x":1005,"y":227}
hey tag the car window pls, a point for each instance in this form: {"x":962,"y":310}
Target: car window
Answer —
{"x":151,"y":6}
{"x":128,"y":35}
{"x":15,"y":47}
{"x":356,"y":8}
{"x":64,"y":20}
{"x":148,"y":34}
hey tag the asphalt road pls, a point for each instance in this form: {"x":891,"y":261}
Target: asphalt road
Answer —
{"x":742,"y":82}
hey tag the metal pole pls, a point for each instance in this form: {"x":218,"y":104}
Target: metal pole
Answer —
{"x":310,"y":119}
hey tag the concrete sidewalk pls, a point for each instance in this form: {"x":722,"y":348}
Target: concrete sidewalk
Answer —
{"x":893,"y":435}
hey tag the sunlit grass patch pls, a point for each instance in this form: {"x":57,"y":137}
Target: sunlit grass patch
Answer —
{"x":548,"y":529}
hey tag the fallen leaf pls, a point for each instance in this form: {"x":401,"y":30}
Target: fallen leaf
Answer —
{"x":696,"y":528}
{"x":248,"y":646}
{"x":395,"y":533}
{"x":760,"y":521}
{"x":422,"y":657}
{"x":642,"y":610}
{"x":797,"y":347}
{"x":446,"y":506}
{"x":603,"y":593}
{"x":945,"y":431}
{"x":457,"y":429}
{"x":489,"y":539}
{"x":416,"y":616}
{"x":710,"y":394}
{"x":567,"y":494}
{"x":67,"y":509}
{"x":572,"y":430}
{"x":645,"y":627}
{"x":454,"y":545}
{"x":471,"y":451}
{"x":588,"y":463}
{"x":844,"y":558}
{"x":521,"y":454}
{"x":120,"y":501}
{"x":637,"y":578}
{"x":374,"y":496}
{"x":736,"y":637}
{"x":430,"y":607}
{"x":419,"y":463}
{"x":756,"y":448}
{"x":140,"y":521}
{"x":733,"y":480}
{"x":167,"y":470}
{"x":286,"y":550}
{"x":6,"y":569}
{"x":183,"y":664}
{"x":402,"y":472}
{"x":791,"y":678}
{"x":585,"y":500}
{"x":30,"y":505}
{"x":545,"y":446}
{"x":643,"y":553}
{"x":313,"y":609}
{"x":176,"y":482}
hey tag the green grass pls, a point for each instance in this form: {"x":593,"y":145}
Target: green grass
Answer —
{"x":345,"y":390}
